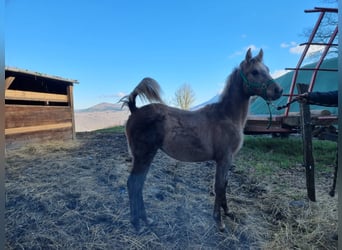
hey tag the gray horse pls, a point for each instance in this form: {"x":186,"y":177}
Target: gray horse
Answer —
{"x":214,"y":132}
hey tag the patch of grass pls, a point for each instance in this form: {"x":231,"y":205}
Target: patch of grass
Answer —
{"x":116,"y":129}
{"x":276,"y":164}
{"x":266,"y":155}
{"x":325,"y":153}
{"x":263,"y":169}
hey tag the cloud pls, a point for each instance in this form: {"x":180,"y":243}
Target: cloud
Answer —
{"x":118,"y":95}
{"x":287,"y":45}
{"x":295,"y":48}
{"x":314,"y":49}
{"x":243,"y":50}
{"x":121,"y":94}
{"x":252,"y":47}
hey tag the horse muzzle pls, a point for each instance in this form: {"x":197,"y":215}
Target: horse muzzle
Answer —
{"x":273,"y":92}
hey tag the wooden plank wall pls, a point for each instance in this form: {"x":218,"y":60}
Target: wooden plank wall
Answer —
{"x":36,"y":123}
{"x":26,"y":122}
{"x":34,"y":96}
{"x":24,"y":118}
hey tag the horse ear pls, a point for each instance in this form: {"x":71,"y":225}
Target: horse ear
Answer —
{"x":260,"y":55}
{"x":248,"y":55}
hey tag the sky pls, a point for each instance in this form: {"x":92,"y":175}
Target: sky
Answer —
{"x":109,"y":46}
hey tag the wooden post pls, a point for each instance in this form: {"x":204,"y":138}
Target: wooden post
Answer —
{"x":71,"y":106}
{"x":305,"y":122}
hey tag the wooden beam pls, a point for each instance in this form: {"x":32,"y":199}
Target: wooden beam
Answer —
{"x":9,"y":80}
{"x":71,"y":105}
{"x":34,"y":96}
{"x":305,"y":121}
{"x":12,"y":131}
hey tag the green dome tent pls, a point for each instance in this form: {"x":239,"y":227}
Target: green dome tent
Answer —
{"x":325,"y":81}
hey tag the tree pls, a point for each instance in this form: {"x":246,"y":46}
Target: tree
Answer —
{"x":325,"y":30}
{"x":184,"y":97}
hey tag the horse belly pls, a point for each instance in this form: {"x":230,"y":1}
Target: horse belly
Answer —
{"x":190,"y":149}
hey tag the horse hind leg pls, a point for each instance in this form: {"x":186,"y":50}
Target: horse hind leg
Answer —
{"x":135,"y":184}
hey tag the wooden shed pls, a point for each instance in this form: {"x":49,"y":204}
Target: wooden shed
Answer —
{"x":38,"y":107}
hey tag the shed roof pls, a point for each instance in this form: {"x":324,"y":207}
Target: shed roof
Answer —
{"x":14,"y":70}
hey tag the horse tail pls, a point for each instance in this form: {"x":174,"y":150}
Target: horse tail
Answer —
{"x":148,"y":89}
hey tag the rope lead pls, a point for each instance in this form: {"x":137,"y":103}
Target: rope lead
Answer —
{"x":270,"y":118}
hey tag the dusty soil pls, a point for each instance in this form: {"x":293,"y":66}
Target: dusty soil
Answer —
{"x":73,"y":195}
{"x":90,"y":121}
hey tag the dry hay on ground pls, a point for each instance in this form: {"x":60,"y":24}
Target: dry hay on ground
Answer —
{"x":74,"y":196}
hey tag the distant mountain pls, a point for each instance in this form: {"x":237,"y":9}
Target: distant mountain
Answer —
{"x":104,"y":106}
{"x":103,"y":115}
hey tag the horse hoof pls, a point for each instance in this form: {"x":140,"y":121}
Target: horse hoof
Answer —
{"x":222,"y":227}
{"x":230,"y":215}
{"x":139,"y":230}
{"x":149,"y":221}
{"x":136,"y":227}
{"x":332,"y":193}
{"x":136,"y":224}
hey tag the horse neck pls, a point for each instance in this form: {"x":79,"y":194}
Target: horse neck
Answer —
{"x":234,"y":102}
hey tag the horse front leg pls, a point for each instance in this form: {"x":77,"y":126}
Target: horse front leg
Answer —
{"x":221,"y":180}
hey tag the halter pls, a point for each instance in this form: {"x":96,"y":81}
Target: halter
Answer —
{"x":255,"y":87}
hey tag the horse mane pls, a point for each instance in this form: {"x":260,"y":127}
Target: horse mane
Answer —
{"x":229,"y":98}
{"x":232,"y":85}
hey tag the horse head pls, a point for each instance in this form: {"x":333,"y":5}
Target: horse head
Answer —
{"x":256,"y":78}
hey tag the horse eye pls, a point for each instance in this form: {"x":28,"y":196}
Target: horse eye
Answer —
{"x":255,"y":72}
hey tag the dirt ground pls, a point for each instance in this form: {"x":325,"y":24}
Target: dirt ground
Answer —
{"x":73,"y":195}
{"x":90,"y":121}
